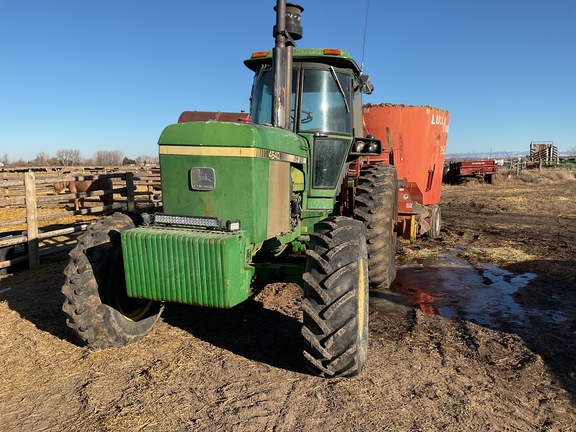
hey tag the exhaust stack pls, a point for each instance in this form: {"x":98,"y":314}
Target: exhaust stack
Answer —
{"x":286,"y":31}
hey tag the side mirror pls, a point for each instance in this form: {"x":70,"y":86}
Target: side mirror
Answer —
{"x":366,"y":87}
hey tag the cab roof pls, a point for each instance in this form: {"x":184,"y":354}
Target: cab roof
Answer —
{"x":333,"y":57}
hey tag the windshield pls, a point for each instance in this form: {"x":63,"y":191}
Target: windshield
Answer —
{"x":324,"y":107}
{"x":261,"y":104}
{"x":325,"y":104}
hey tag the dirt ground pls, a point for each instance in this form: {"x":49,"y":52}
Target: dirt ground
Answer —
{"x":478,"y":333}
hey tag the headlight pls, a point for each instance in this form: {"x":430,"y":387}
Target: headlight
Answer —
{"x":359,"y":146}
{"x":233,"y":225}
{"x":368,"y":146}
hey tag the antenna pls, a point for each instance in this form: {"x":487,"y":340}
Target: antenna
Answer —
{"x":364,"y":41}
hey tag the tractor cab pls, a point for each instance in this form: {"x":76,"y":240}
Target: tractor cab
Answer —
{"x":325,"y":108}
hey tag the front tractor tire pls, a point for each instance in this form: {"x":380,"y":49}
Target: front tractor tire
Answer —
{"x":97,"y":305}
{"x":335,"y":304}
{"x":376,"y":205}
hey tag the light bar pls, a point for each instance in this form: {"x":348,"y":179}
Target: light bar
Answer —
{"x":192,"y":221}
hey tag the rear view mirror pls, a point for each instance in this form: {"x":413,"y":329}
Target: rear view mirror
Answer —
{"x":366,"y":86}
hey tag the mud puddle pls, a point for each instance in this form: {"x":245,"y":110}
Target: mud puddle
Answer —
{"x":451,"y":288}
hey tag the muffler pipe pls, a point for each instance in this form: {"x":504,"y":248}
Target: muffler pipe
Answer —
{"x":286,"y":31}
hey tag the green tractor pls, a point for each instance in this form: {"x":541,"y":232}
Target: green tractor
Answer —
{"x":241,"y":199}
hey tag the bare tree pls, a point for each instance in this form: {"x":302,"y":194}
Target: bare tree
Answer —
{"x":69,"y":157}
{"x":108,"y":158}
{"x":572,"y":151}
{"x":41,"y":159}
{"x":116,"y":157}
{"x":100,"y":157}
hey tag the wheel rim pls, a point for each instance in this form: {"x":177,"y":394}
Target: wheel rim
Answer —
{"x":133,"y":309}
{"x":437,"y":221}
{"x":361,"y":298}
{"x":412,"y":229}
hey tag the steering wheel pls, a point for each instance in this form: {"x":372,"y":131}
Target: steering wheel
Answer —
{"x":305,"y":119}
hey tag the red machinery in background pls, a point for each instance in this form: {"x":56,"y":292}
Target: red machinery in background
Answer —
{"x":480,"y":169}
{"x":414,"y":141}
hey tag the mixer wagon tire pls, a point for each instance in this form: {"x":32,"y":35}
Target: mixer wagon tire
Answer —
{"x":335,"y":304}
{"x":435,"y":222}
{"x":376,"y":205}
{"x":96,"y":303}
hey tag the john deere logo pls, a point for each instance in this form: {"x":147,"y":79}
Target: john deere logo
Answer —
{"x":202,"y":178}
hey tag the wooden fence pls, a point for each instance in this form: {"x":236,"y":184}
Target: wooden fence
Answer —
{"x":31,"y":191}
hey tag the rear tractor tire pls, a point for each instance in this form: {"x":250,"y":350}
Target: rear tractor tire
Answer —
{"x":376,"y":205}
{"x":335,"y":304}
{"x":98,"y":307}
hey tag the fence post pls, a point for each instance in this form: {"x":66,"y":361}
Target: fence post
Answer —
{"x":31,"y":220}
{"x":130,"y":191}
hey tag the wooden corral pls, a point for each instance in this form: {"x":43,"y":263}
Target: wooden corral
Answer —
{"x":133,"y":191}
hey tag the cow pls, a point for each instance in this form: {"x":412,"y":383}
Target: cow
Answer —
{"x":85,"y":186}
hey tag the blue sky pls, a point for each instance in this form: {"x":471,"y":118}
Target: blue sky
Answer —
{"x":110,"y":75}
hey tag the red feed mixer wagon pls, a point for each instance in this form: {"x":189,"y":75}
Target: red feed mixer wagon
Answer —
{"x":414,"y":141}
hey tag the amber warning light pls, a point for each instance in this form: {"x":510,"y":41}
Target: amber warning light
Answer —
{"x":259,"y":54}
{"x":332,"y":52}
